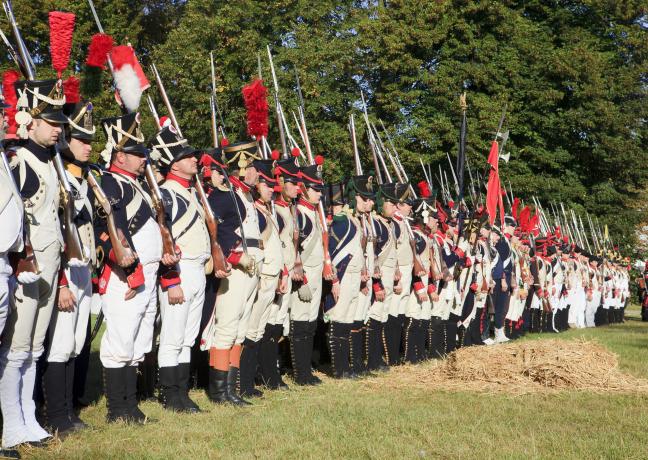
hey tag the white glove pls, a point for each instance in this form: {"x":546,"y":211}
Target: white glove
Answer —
{"x":304,"y":293}
{"x":28,"y":277}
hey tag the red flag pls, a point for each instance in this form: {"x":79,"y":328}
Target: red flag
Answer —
{"x":493,"y":195}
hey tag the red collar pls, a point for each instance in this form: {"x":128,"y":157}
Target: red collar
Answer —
{"x":307,"y":205}
{"x":186,"y":183}
{"x":118,"y":170}
{"x":236,"y":182}
{"x":281,"y":202}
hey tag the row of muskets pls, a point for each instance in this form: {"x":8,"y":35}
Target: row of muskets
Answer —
{"x":385,"y":155}
{"x":381,"y":146}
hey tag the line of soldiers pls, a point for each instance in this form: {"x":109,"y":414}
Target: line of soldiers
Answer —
{"x":231,"y":250}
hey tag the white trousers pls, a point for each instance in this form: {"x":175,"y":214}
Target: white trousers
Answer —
{"x":129,"y":323}
{"x":307,"y":311}
{"x":379,"y":310}
{"x":67,"y":332}
{"x":31,"y":308}
{"x":345,"y":308}
{"x":234,"y":300}
{"x":262,"y":306}
{"x":398,"y":304}
{"x":7,"y":286}
{"x":180,"y":323}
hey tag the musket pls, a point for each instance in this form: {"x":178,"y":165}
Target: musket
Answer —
{"x":589,"y":248}
{"x":26,"y":65}
{"x":212,"y":104}
{"x":280,"y":126}
{"x":120,"y":247}
{"x":12,"y":51}
{"x":73,"y":246}
{"x":454,"y":175}
{"x":397,"y":163}
{"x":372,"y":145}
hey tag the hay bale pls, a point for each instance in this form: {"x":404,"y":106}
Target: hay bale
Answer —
{"x":521,"y":367}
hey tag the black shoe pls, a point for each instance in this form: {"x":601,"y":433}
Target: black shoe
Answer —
{"x":217,"y":387}
{"x":232,"y":383}
{"x":339,"y":337}
{"x":134,"y":414}
{"x":170,"y":390}
{"x":115,"y":390}
{"x":374,"y":344}
{"x":268,"y":357}
{"x":301,"y":349}
{"x":54,"y":408}
{"x":184,"y":375}
{"x":9,"y":453}
{"x":248,"y":368}
{"x":70,"y":367}
{"x":356,"y":348}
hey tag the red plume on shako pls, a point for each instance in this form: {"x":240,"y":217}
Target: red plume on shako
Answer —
{"x":424,"y":189}
{"x":100,"y":46}
{"x":275,"y":155}
{"x":295,"y":151}
{"x":71,"y":90}
{"x":255,"y":97}
{"x":11,"y":99}
{"x":129,"y":77}
{"x":61,"y":30}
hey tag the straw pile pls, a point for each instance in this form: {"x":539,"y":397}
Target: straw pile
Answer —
{"x":520,"y":368}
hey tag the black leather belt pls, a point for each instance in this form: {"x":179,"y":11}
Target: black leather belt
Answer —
{"x":254,"y":243}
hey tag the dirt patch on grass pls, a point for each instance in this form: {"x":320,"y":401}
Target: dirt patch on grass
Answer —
{"x":519,"y":368}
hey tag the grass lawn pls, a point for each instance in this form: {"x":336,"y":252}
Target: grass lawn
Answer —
{"x":344,"y":420}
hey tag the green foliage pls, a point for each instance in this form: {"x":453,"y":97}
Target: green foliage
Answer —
{"x":573,"y":75}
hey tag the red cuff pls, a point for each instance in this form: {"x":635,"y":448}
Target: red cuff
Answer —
{"x":284,"y":272}
{"x":418,"y":286}
{"x":459,"y":252}
{"x":473,"y":287}
{"x":431,"y":288}
{"x":377,"y":286}
{"x":62,"y":279}
{"x":111,"y":256}
{"x":136,"y":279}
{"x":235,"y":257}
{"x":170,"y":278}
{"x":467,"y":262}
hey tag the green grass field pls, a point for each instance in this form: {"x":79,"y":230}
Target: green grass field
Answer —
{"x":345,"y":420}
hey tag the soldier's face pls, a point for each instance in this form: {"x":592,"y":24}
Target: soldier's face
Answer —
{"x":45,"y":133}
{"x":405,"y":209}
{"x":364,"y":204}
{"x":313,"y":195}
{"x":265,"y":192}
{"x":187,"y":167}
{"x":494,"y":237}
{"x":290,"y":190}
{"x":389,"y":208}
{"x":251,"y":176}
{"x":432,"y":224}
{"x":80,"y":149}
{"x":134,"y":164}
{"x":216,"y":178}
